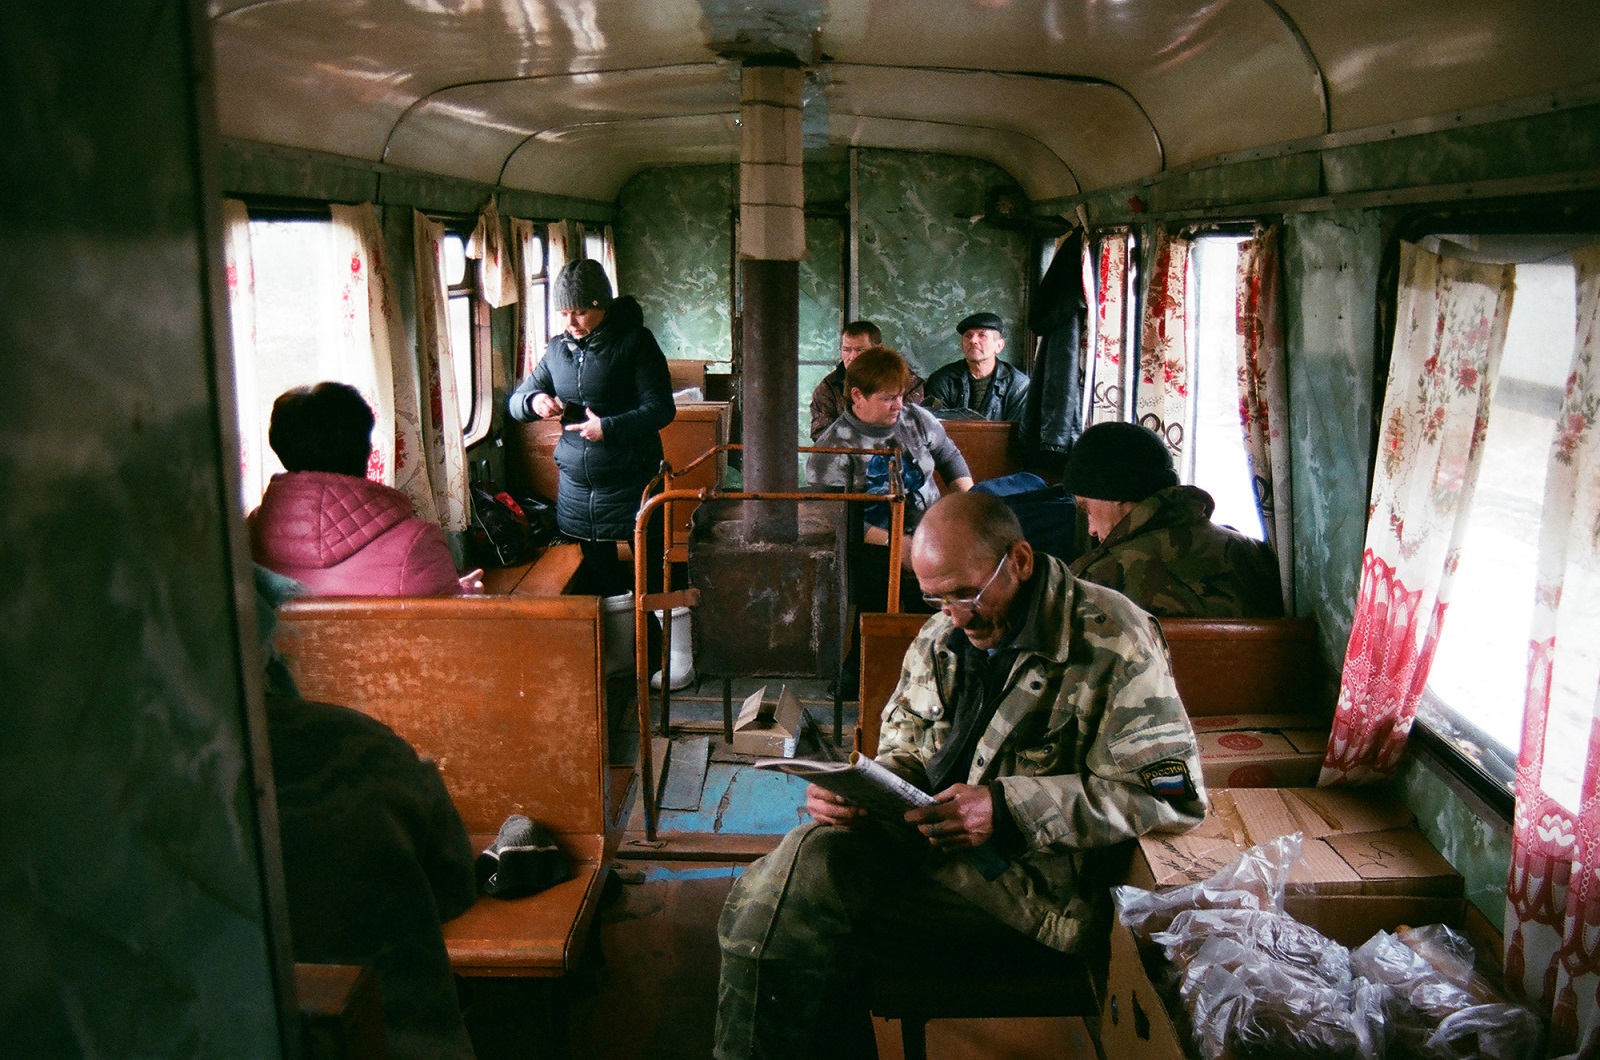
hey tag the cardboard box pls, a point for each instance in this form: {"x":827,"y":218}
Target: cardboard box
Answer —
{"x":1364,"y":864}
{"x":1260,"y":750}
{"x":1364,"y":867}
{"x":768,"y":730}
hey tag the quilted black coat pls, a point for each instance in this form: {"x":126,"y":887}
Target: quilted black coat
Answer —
{"x":618,"y":371}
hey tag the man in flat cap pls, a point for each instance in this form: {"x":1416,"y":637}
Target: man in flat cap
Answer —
{"x":987,"y":387}
{"x":1154,"y":540}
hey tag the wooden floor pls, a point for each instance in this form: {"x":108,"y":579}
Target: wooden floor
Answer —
{"x":654,"y":995}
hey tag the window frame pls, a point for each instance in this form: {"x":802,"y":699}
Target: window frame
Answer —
{"x":480,"y":418}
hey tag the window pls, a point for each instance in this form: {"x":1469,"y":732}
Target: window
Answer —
{"x":469,"y":339}
{"x":1478,"y":681}
{"x":1219,"y":464}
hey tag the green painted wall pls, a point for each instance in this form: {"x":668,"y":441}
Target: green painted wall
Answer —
{"x":674,"y":236}
{"x":1331,"y":276}
{"x":132,"y":909}
{"x":1479,"y":850}
{"x":923,"y":263}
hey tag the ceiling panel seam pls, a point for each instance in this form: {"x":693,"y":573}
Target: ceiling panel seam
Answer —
{"x":1321,"y":78}
{"x":431,"y":93}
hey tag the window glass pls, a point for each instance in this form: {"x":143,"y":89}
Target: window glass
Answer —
{"x":461,"y":283}
{"x":1478,"y":681}
{"x":1220,"y":464}
{"x":298,"y":339}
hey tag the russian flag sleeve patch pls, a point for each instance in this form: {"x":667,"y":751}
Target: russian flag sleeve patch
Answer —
{"x":1168,"y":779}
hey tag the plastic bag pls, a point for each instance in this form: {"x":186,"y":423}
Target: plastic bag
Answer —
{"x":1443,"y":1010}
{"x":1243,"y":1005}
{"x":1253,"y":880}
{"x":1269,"y":934}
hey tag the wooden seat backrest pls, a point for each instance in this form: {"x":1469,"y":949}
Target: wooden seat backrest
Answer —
{"x":1221,"y":665}
{"x":505,"y":694}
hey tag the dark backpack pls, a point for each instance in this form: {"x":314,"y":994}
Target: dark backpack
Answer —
{"x":501,"y":533}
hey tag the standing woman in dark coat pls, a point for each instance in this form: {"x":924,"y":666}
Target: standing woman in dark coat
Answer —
{"x":606,"y":380}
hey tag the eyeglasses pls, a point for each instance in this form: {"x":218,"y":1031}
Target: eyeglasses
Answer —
{"x":966,"y":604}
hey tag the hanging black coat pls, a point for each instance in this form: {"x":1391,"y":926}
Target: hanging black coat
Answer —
{"x":1055,"y":401}
{"x":618,"y":371}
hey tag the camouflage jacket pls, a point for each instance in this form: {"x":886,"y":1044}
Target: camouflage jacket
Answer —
{"x":1089,"y":744}
{"x":1168,"y":557}
{"x":925,"y":446}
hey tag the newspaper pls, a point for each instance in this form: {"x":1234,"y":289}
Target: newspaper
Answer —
{"x":860,"y":779}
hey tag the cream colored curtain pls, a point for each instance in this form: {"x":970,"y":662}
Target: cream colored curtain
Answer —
{"x":496,"y":277}
{"x":1264,"y":395}
{"x":370,"y":331}
{"x":253,"y":462}
{"x":527,"y":254}
{"x":443,"y":464}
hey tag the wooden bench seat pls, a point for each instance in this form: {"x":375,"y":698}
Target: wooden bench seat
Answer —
{"x":550,"y":573}
{"x":507,"y":695}
{"x":1222,"y":666}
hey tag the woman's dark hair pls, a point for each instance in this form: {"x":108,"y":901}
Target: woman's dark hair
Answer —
{"x":326,"y":427}
{"x":877,"y":369}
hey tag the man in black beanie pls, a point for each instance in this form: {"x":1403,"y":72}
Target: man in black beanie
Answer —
{"x":1156,"y":543}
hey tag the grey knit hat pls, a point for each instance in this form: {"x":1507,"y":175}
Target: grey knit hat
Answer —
{"x":582,"y":284}
{"x":1118,"y":462}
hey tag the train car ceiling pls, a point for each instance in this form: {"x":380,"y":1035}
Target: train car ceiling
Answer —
{"x":1069,"y":97}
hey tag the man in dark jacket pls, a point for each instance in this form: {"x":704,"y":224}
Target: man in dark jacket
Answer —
{"x":1157,"y":544}
{"x":831,"y":398}
{"x":982,"y":384}
{"x":606,"y":380}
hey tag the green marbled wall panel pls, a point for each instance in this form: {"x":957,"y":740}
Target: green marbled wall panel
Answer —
{"x":134,"y":916}
{"x":821,"y":307}
{"x":1479,"y":850}
{"x":674,"y":248}
{"x":1331,"y":274}
{"x":923,"y":264}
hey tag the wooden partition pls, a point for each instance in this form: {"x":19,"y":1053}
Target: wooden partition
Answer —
{"x":1221,"y":665}
{"x":989,"y":447}
{"x":507,"y":696}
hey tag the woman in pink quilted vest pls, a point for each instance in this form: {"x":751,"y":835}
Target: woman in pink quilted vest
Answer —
{"x":326,"y":525}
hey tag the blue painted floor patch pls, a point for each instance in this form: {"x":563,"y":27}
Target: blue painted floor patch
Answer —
{"x":656,"y":873}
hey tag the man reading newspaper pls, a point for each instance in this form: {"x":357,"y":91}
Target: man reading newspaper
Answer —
{"x":1041,"y":713}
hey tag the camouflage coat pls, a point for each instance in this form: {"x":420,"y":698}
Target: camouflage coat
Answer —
{"x":1168,"y":557}
{"x":1089,"y":744}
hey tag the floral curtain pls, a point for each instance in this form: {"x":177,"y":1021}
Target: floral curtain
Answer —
{"x":496,"y":278}
{"x":1450,"y":329}
{"x":443,"y":467}
{"x":608,"y":256}
{"x":369,"y":331}
{"x":253,"y":463}
{"x":1107,"y":386}
{"x":527,"y":252}
{"x":555,"y":261}
{"x":1162,"y":401}
{"x":1264,"y":394}
{"x":1553,"y":914}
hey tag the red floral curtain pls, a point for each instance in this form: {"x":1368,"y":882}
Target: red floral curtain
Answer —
{"x":442,"y":471}
{"x":1162,"y":402}
{"x":1553,"y":914}
{"x":370,"y":333}
{"x":1107,"y":386}
{"x":1450,"y":330}
{"x":1264,"y":394}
